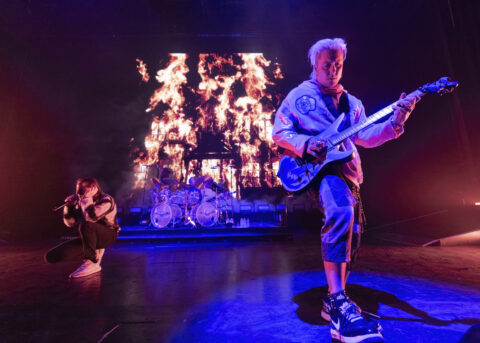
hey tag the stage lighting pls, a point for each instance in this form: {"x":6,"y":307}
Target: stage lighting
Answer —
{"x":246,"y":208}
{"x":263,"y":208}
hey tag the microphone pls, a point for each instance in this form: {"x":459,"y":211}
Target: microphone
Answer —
{"x":70,"y":200}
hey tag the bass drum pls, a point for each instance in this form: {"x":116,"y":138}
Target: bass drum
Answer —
{"x":163,"y":214}
{"x":176,"y":213}
{"x":206,"y":214}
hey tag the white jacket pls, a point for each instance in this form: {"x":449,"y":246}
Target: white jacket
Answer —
{"x":303,"y":114}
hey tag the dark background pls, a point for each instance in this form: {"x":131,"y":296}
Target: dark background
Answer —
{"x":71,"y":99}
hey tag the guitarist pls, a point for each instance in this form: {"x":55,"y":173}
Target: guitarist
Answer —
{"x":307,"y":111}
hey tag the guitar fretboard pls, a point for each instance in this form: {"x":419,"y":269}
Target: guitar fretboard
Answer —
{"x":340,"y":137}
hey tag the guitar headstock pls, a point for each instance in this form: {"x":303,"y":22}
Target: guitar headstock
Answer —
{"x":442,"y":86}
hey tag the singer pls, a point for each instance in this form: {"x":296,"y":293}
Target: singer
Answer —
{"x":93,"y":213}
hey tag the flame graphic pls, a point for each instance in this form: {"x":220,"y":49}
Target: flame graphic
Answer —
{"x":232,"y":103}
{"x":142,"y":69}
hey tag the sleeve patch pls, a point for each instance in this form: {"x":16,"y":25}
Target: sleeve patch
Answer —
{"x":305,"y":104}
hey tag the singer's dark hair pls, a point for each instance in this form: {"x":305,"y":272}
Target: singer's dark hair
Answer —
{"x":88,"y":182}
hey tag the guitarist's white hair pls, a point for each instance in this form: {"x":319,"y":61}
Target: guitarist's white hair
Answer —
{"x":326,"y":44}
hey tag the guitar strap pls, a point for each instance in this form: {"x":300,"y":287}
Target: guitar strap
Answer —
{"x":343,"y":107}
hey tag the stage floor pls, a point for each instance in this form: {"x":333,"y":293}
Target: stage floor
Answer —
{"x":233,"y":292}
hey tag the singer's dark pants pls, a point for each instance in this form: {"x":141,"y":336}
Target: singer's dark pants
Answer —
{"x":92,"y":236}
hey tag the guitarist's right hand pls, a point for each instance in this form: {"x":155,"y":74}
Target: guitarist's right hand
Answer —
{"x":317,"y":148}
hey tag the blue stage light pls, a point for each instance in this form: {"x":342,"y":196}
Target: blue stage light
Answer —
{"x":135,"y":210}
{"x":245,"y":208}
{"x":263,"y":208}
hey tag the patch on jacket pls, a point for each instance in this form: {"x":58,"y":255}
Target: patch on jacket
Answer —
{"x":305,"y":104}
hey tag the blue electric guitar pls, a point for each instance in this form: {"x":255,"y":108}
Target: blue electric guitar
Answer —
{"x":296,"y":173}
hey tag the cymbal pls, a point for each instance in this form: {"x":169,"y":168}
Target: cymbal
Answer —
{"x":218,"y":187}
{"x":208,"y":183}
{"x":186,"y":185}
{"x":170,"y":181}
{"x":201,"y":181}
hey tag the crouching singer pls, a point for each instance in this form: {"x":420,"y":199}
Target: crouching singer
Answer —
{"x":93,"y":213}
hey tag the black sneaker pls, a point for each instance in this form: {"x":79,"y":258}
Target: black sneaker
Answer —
{"x":327,"y":307}
{"x":349,"y":326}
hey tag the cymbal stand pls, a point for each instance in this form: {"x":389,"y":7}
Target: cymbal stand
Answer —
{"x":188,"y":213}
{"x":144,"y":168}
{"x":216,"y":206}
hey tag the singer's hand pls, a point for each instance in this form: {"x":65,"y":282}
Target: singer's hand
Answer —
{"x":72,"y":199}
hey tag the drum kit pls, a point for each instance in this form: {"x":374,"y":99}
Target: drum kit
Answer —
{"x":202,"y":201}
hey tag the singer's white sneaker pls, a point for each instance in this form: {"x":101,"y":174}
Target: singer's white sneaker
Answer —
{"x":86,"y":268}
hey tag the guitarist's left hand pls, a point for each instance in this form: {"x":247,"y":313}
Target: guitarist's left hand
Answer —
{"x":403,"y":108}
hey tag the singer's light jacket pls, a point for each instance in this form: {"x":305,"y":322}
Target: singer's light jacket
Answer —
{"x":101,"y":209}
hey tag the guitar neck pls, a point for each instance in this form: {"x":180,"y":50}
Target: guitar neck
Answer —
{"x":340,"y":137}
